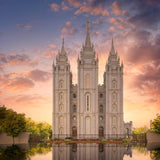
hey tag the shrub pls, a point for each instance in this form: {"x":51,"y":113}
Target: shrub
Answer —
{"x":103,"y":140}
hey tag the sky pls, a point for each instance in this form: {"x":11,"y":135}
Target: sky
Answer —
{"x":31,"y":35}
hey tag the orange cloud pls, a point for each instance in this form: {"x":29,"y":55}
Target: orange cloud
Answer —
{"x":68,"y":29}
{"x":74,"y":3}
{"x":54,"y":7}
{"x":52,"y":46}
{"x":111,"y":29}
{"x":120,"y":23}
{"x":92,"y":10}
{"x":64,"y":6}
{"x":116,"y":8}
{"x":49,"y":54}
{"x":17,"y":84}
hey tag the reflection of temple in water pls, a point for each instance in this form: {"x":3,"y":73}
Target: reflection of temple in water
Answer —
{"x":90,"y":152}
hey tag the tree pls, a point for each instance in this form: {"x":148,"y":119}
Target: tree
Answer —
{"x":140,"y":130}
{"x":155,"y":124}
{"x":13,"y":124}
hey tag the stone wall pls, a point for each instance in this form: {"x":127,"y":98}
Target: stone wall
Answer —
{"x":153,"y":137}
{"x":22,"y":138}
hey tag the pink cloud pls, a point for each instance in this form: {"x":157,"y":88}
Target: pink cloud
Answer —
{"x":116,"y":8}
{"x":17,"y":59}
{"x":24,"y":26}
{"x":64,"y":6}
{"x":111,"y":29}
{"x":98,"y":10}
{"x":74,"y":3}
{"x":68,"y":29}
{"x":52,"y":45}
{"x":55,"y":7}
{"x":17,"y":84}
{"x":121,"y":23}
{"x":39,"y":75}
{"x":49,"y":54}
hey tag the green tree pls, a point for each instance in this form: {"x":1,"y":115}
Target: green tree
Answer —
{"x":140,"y":130}
{"x":13,"y":124}
{"x":155,"y":125}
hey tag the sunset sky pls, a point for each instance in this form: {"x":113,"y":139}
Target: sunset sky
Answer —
{"x":31,"y":33}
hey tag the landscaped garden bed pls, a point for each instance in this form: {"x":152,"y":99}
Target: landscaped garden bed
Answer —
{"x":83,"y":141}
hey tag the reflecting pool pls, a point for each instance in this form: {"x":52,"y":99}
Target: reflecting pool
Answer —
{"x":78,"y":152}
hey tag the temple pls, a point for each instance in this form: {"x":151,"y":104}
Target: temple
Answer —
{"x":87,"y":109}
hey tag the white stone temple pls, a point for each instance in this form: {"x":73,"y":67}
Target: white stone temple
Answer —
{"x":87,"y":109}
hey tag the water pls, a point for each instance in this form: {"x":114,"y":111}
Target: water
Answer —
{"x":79,"y":152}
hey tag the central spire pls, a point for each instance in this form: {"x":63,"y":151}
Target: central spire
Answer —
{"x":88,"y":41}
{"x":63,"y":52}
{"x":112,"y":51}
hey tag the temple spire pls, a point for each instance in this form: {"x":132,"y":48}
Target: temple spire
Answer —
{"x":63,"y":52}
{"x":112,"y":51}
{"x":88,"y":41}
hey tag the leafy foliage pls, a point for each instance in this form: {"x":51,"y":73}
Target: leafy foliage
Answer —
{"x":13,"y":123}
{"x":140,"y":130}
{"x":155,"y":125}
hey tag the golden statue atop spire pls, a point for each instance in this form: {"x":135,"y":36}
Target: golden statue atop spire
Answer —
{"x":87,"y":25}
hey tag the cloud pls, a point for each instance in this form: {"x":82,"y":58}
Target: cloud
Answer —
{"x":111,"y":29}
{"x":17,"y":59}
{"x":74,"y":3}
{"x":52,"y":45}
{"x":64,"y":6}
{"x":92,"y":10}
{"x":121,"y":23}
{"x":16,"y":84}
{"x":24,"y":26}
{"x":116,"y":8}
{"x":148,"y":81}
{"x":54,"y":7}
{"x":49,"y":54}
{"x":1,"y":67}
{"x":146,"y":14}
{"x":98,"y":22}
{"x":29,"y":101}
{"x":39,"y":75}
{"x":68,"y":29}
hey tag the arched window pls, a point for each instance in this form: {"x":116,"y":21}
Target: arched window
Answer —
{"x":114,"y":120}
{"x":74,"y":95}
{"x":61,"y":84}
{"x":114,"y":107}
{"x":87,"y":81}
{"x":101,"y":109}
{"x":74,"y":118}
{"x":61,"y":107}
{"x":101,"y":95}
{"x":61,"y":120}
{"x":88,"y":101}
{"x":101,"y":118}
{"x":61,"y":96}
{"x":74,"y":108}
{"x":114,"y":84}
{"x":114,"y":95}
{"x":88,"y":125}
{"x":61,"y":130}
